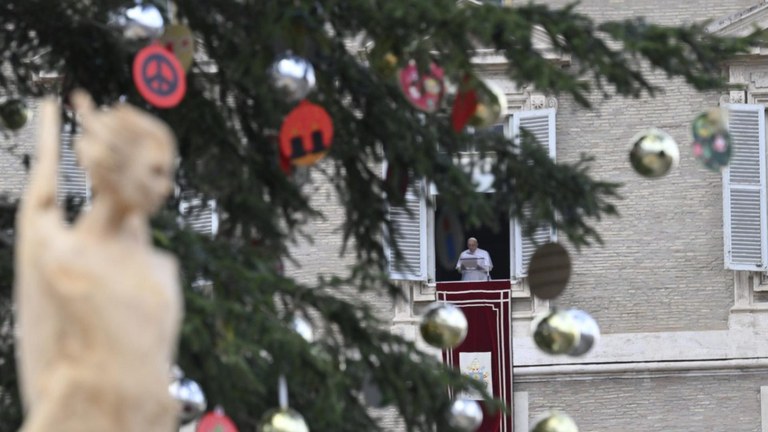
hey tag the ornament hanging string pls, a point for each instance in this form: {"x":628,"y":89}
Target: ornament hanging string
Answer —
{"x":282,"y":392}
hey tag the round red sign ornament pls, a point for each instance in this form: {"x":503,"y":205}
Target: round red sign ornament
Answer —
{"x":216,"y":422}
{"x":159,"y":76}
{"x":306,"y":134}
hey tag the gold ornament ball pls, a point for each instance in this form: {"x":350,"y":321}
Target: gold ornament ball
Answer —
{"x":556,"y":333}
{"x":654,"y":153}
{"x":443,"y":325}
{"x":556,"y":422}
{"x":283,"y":420}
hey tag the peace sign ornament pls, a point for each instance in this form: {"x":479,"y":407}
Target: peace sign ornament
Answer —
{"x":159,"y":76}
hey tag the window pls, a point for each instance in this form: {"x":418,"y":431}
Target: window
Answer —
{"x":430,"y":237}
{"x":744,"y":190}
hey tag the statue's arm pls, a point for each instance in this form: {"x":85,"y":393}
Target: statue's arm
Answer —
{"x":40,"y":196}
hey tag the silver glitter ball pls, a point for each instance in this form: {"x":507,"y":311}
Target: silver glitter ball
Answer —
{"x":589,"y":332}
{"x":293,"y":76}
{"x":443,"y":325}
{"x":465,"y":415}
{"x":190,"y":397}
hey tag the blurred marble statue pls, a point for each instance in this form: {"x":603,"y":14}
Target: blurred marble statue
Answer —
{"x":98,"y":307}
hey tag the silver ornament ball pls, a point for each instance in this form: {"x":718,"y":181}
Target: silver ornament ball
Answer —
{"x":293,"y":76}
{"x":654,"y":153}
{"x":589,"y":332}
{"x":465,"y":415}
{"x":190,"y":397}
{"x":555,"y":422}
{"x":556,"y":332}
{"x":141,"y":23}
{"x":443,"y":325}
{"x":283,"y":420}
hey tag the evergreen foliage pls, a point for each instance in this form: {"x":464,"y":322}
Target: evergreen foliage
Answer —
{"x":235,"y":338}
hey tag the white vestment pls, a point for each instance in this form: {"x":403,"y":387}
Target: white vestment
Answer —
{"x":472,"y":272}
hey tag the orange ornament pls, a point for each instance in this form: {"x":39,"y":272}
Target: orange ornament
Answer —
{"x":306,"y":134}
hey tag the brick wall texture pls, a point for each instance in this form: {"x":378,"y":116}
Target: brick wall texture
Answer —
{"x":728,"y":403}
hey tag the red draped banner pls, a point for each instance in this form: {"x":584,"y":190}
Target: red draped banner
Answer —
{"x":486,"y":353}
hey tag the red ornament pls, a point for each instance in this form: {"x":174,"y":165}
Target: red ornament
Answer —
{"x":216,"y":422}
{"x":159,"y":76}
{"x":306,"y":134}
{"x":464,"y":107}
{"x":423,"y":91}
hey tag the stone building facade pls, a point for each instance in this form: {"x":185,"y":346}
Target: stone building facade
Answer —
{"x":684,"y":346}
{"x":685,"y":340}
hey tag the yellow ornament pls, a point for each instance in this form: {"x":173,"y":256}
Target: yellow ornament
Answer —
{"x":180,"y":41}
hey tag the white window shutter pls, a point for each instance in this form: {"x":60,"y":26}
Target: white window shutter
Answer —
{"x":744,"y":190}
{"x":541,"y":124}
{"x":198,"y":216}
{"x":72,"y":179}
{"x":410,"y":224}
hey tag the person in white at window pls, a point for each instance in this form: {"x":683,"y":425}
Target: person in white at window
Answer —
{"x":474,"y":263}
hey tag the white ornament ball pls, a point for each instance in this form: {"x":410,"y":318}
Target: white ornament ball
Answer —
{"x":465,"y":415}
{"x":293,"y":76}
{"x":443,"y":325}
{"x":140,"y":23}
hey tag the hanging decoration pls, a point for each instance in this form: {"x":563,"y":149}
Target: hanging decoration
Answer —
{"x":654,"y":153}
{"x":464,"y":106}
{"x":178,"y":39}
{"x":302,"y":327}
{"x":141,"y":23}
{"x":422,"y":90}
{"x":491,"y":105}
{"x":556,"y":332}
{"x":549,"y":271}
{"x":712,"y":144}
{"x":159,"y":76}
{"x":283,"y":419}
{"x":465,"y":415}
{"x":14,"y":114}
{"x":555,"y":422}
{"x":443,"y":325}
{"x":589,"y":332}
{"x":293,"y":76}
{"x":306,"y":134}
{"x":216,"y":421}
{"x":188,"y":394}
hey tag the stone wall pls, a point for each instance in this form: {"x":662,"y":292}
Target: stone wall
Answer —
{"x":690,"y":403}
